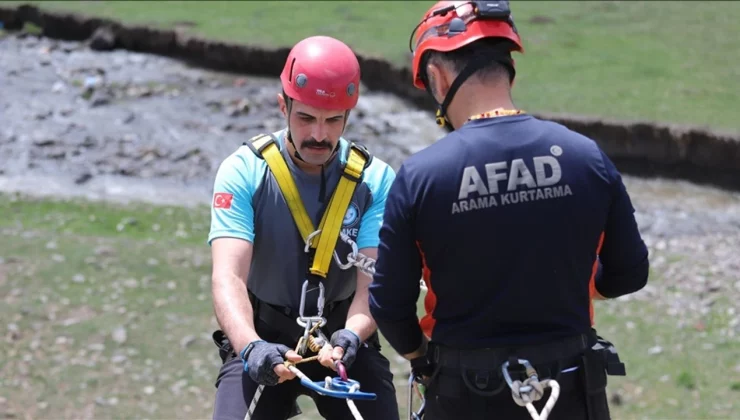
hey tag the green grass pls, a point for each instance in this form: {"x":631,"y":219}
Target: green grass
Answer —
{"x":661,"y":61}
{"x":70,"y":276}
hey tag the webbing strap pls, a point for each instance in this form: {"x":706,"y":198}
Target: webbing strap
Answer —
{"x":265,"y":145}
{"x":331,"y":221}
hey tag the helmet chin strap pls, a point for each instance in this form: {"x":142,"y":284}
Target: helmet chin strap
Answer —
{"x":474,"y":65}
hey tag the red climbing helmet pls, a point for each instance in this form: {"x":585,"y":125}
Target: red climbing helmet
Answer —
{"x":449,"y":25}
{"x":322,"y":72}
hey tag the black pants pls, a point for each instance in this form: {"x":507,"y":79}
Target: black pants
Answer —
{"x":462,"y":403}
{"x":235,"y":391}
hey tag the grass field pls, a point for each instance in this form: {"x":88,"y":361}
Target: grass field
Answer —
{"x":664,"y":61}
{"x":106,"y":314}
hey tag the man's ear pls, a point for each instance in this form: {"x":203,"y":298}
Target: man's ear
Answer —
{"x":438,"y":81}
{"x":282,"y":104}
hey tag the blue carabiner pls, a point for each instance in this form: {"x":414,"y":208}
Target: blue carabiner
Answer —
{"x":339,"y":389}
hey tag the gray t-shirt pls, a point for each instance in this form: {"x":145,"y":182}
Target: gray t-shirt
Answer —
{"x":247,"y":204}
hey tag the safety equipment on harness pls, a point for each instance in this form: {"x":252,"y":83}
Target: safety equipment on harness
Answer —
{"x":451,"y":25}
{"x":323,"y":240}
{"x":531,"y":389}
{"x":340,"y":387}
{"x":527,"y":371}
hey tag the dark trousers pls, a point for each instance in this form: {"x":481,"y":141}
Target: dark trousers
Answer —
{"x":235,"y":391}
{"x":448,"y":399}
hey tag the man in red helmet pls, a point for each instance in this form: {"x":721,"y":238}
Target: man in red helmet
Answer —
{"x":515,"y":223}
{"x":286,"y":205}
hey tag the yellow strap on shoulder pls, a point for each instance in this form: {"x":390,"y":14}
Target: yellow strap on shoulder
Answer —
{"x":331,"y":222}
{"x":265,"y":145}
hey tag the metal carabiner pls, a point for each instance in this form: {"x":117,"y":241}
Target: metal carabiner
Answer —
{"x":319,"y":302}
{"x":307,"y":246}
{"x":414,"y":386}
{"x":530,"y":372}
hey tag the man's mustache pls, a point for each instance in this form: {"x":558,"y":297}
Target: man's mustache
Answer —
{"x":317,"y":144}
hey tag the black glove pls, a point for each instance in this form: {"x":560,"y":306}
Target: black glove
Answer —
{"x":421,"y":368}
{"x":260,"y":359}
{"x":349,"y":342}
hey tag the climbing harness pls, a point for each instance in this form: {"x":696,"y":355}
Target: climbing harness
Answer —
{"x":322,"y":242}
{"x":265,"y":146}
{"x":330,"y":226}
{"x":531,"y":389}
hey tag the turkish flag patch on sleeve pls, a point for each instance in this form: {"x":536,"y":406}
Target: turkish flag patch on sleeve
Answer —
{"x":222,"y":200}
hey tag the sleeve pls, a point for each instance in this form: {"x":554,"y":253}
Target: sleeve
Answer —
{"x":372,"y":220}
{"x":395,"y":287}
{"x":624,"y":255}
{"x":232,"y":214}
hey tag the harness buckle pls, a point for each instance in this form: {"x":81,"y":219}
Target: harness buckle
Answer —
{"x":481,"y":380}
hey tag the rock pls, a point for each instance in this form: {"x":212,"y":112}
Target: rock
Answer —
{"x":655,"y":350}
{"x":118,"y":358}
{"x":119,"y":335}
{"x":131,"y":283}
{"x":58,"y":87}
{"x":187,"y":341}
{"x":103,"y":39}
{"x":97,"y":347}
{"x":83,"y":178}
{"x":100,"y":98}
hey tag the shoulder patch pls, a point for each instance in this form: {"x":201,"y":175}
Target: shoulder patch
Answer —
{"x":351,"y":216}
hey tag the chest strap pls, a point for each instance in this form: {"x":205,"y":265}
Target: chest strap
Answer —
{"x":266,"y":147}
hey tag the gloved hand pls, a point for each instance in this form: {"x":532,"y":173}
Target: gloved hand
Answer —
{"x":345,"y":343}
{"x":264,"y":362}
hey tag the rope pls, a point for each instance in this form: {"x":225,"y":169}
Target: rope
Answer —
{"x":351,"y":404}
{"x":535,"y":391}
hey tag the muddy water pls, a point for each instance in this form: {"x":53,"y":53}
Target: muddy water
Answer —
{"x":122,"y":125}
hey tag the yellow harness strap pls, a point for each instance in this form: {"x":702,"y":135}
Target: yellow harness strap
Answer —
{"x":265,"y":145}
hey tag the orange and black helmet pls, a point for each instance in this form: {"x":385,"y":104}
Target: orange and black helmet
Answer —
{"x":451,"y":25}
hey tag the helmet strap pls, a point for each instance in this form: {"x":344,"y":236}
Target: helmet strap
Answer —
{"x":474,"y":65}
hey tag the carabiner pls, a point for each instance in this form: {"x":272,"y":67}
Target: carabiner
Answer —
{"x":530,"y":372}
{"x":319,"y":302}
